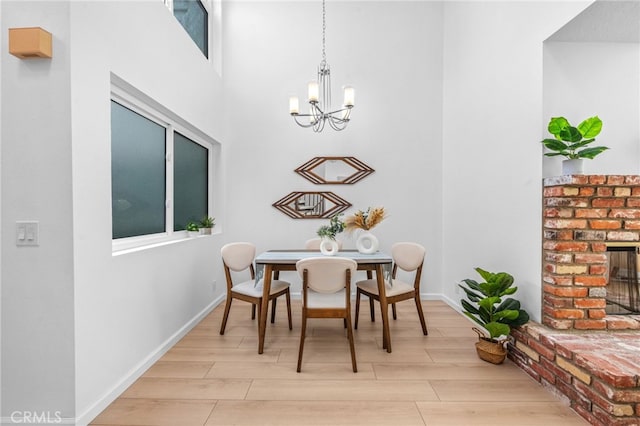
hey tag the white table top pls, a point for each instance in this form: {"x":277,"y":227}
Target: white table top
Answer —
{"x":292,"y":256}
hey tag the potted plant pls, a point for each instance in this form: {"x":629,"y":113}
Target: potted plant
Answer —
{"x":206,"y":224}
{"x":328,"y":245}
{"x":487,"y":308}
{"x":571,"y":142}
{"x":192,"y":229}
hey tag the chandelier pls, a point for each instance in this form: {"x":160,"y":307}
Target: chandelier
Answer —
{"x":320,"y":110}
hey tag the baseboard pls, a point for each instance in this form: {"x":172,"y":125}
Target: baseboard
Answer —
{"x":92,"y":412}
{"x":454,"y":305}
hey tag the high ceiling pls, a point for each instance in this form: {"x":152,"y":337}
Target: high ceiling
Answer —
{"x":607,"y":21}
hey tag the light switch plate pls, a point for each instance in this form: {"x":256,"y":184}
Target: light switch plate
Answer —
{"x":27,"y":233}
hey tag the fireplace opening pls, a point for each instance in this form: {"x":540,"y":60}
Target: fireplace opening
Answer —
{"x":623,"y":290}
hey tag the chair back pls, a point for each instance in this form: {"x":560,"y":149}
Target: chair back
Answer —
{"x":326,"y":274}
{"x":238,"y":256}
{"x":314,"y":244}
{"x":408,"y":256}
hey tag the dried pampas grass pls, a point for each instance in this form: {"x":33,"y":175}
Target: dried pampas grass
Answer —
{"x":364,"y":220}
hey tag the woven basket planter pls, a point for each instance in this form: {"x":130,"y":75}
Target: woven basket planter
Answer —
{"x":490,"y":350}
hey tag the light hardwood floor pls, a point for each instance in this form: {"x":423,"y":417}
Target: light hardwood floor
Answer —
{"x":208,"y":379}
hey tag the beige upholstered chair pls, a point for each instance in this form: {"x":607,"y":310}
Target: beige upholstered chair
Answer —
{"x":409,"y":257}
{"x":326,"y":293}
{"x":314,"y":244}
{"x":238,"y":257}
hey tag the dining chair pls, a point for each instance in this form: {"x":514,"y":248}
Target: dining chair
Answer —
{"x":314,"y":244}
{"x":238,"y":257}
{"x":409,"y":257}
{"x":326,"y":293}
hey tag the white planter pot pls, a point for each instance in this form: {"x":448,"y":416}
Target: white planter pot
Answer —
{"x":573,"y":167}
{"x":329,"y":247}
{"x":367,"y":243}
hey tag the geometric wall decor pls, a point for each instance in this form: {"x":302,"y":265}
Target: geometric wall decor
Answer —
{"x":311,"y":205}
{"x":334,"y":170}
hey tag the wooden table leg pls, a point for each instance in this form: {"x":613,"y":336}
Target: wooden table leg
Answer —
{"x":262,"y":322}
{"x":386,"y":337}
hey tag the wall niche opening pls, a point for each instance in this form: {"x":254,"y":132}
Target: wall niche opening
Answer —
{"x":623,"y":289}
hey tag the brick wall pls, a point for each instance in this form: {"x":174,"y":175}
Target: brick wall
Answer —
{"x":581,"y":215}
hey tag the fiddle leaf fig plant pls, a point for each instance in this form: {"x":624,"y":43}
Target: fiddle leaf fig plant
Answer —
{"x":485,"y":304}
{"x":571,"y":142}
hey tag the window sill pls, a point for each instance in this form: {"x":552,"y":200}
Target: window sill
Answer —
{"x":142,"y":247}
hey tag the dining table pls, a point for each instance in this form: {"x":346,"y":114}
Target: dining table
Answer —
{"x":271,"y":262}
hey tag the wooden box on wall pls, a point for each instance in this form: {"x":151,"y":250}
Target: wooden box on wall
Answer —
{"x":30,"y":43}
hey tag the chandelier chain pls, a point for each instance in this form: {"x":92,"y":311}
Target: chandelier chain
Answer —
{"x":324,"y":28}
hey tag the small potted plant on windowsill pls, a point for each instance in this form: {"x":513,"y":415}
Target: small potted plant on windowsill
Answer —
{"x":329,"y":245}
{"x":495,"y":315}
{"x":206,"y":224}
{"x":192,"y":229}
{"x":571,"y":142}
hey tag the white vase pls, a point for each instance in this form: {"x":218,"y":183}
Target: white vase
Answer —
{"x":573,"y":167}
{"x":329,"y":247}
{"x":367,"y":243}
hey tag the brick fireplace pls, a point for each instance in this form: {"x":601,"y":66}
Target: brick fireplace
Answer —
{"x":589,"y":357}
{"x":582,"y":216}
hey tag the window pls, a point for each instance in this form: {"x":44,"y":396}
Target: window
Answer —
{"x":189,"y":181}
{"x":193,"y":16}
{"x":138,"y":174}
{"x":160,"y":173}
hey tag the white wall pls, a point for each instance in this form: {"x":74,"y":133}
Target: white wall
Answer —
{"x":391,"y":52}
{"x":37,"y":282}
{"x":492,"y":154}
{"x":79,"y":323}
{"x":129,"y":306}
{"x":586,"y":79}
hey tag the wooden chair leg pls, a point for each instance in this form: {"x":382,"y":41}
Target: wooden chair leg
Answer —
{"x":288,"y":296}
{"x":421,"y":315}
{"x":302,"y":333}
{"x":351,"y":344}
{"x":253,"y":311}
{"x":273,"y":309}
{"x":373,"y":314}
{"x":259,"y":311}
{"x":357,"y":308}
{"x":393,"y":309}
{"x":227,"y":307}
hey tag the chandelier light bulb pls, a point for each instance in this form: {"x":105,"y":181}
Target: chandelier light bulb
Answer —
{"x":294,"y":106}
{"x":349,"y":96}
{"x":314,"y":91}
